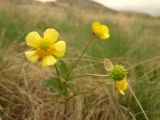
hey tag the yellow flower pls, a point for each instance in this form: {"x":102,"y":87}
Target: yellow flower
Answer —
{"x":46,"y":48}
{"x":100,"y":31}
{"x":121,"y":86}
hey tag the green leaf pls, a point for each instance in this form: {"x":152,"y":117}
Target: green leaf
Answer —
{"x":63,"y":69}
{"x":52,"y":83}
{"x":1,"y":60}
{"x":77,"y":90}
{"x":66,"y":88}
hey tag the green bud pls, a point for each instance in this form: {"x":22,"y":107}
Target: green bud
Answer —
{"x":118,"y":72}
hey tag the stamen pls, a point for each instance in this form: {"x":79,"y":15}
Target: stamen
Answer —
{"x":44,"y":46}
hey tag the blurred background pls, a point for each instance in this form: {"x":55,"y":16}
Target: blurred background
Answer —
{"x":150,"y":6}
{"x":134,"y":42}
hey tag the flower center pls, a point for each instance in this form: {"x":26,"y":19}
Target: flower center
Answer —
{"x":44,"y":46}
{"x":44,"y":49}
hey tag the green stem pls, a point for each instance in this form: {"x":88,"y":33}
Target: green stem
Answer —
{"x":116,"y":102}
{"x":138,"y":102}
{"x":94,"y":75}
{"x":82,"y":53}
{"x":58,"y":74}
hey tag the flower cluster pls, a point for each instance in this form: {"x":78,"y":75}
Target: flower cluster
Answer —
{"x":46,"y":49}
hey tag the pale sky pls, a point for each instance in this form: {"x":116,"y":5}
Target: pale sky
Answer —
{"x":123,"y":3}
{"x":46,"y":0}
{"x":145,"y":6}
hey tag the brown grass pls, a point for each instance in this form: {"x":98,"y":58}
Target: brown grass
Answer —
{"x":24,"y":97}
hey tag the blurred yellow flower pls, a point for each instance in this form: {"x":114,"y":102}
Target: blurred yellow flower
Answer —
{"x":121,"y":86}
{"x":100,"y":31}
{"x":46,"y":48}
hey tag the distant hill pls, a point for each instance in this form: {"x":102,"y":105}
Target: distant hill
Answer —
{"x":80,"y":4}
{"x":91,"y":5}
{"x":64,"y":3}
{"x":85,"y":3}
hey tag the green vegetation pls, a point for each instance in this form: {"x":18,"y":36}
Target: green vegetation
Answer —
{"x":134,"y":43}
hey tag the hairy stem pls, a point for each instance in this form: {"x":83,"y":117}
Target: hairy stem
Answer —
{"x":93,"y":75}
{"x":116,"y":102}
{"x":58,"y":74}
{"x":82,"y":53}
{"x":132,"y":92}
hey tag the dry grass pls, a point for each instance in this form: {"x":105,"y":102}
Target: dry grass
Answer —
{"x":24,"y":97}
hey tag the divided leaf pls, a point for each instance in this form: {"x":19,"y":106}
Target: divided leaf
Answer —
{"x":63,"y":69}
{"x":52,"y":83}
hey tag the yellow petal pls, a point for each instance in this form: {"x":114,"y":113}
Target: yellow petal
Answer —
{"x":51,"y":35}
{"x":105,"y":36}
{"x":59,"y":48}
{"x":122,"y":86}
{"x":33,"y":39}
{"x":48,"y":60}
{"x":95,"y":26}
{"x":104,"y":32}
{"x":32,"y":56}
{"x":105,"y":28}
